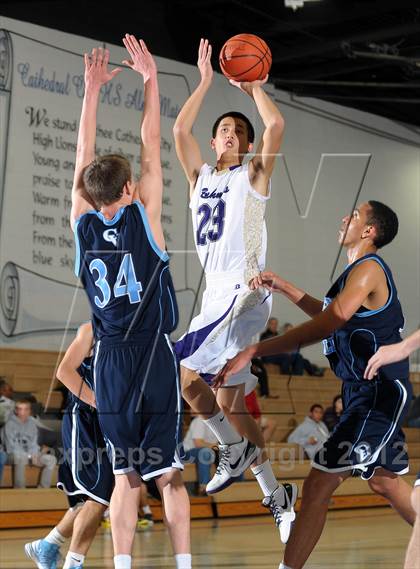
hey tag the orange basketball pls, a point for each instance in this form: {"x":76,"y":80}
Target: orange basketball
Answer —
{"x":245,"y":57}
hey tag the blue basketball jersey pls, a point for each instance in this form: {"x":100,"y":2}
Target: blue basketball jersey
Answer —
{"x":125,"y":274}
{"x":350,"y":348}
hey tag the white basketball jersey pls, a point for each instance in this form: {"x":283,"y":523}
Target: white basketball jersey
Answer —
{"x":228,"y":222}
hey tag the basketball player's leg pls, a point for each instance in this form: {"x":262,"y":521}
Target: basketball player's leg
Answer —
{"x":123,"y":510}
{"x":198,"y":394}
{"x":231,"y":400}
{"x":412,"y":560}
{"x":84,"y":531}
{"x":47,"y":549}
{"x":279,"y":498}
{"x":176,"y":506}
{"x":396,"y":490}
{"x":317,"y":491}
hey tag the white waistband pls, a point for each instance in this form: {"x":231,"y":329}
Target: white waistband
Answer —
{"x":225,"y":279}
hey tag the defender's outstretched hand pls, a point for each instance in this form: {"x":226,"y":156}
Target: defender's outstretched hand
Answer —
{"x":141,"y":58}
{"x":247,"y":86}
{"x":269,"y":281}
{"x":96,"y":68}
{"x":233,"y":366}
{"x":204,"y":60}
{"x":384,"y":356}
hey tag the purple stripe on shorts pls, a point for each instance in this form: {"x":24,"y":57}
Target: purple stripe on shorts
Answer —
{"x":190,"y":343}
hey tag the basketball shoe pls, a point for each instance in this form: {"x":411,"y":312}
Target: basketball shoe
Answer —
{"x":46,"y":555}
{"x":234,"y":459}
{"x":280,"y":503}
{"x":145,"y":522}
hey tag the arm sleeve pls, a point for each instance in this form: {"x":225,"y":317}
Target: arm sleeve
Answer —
{"x":10,"y":439}
{"x":299,"y":436}
{"x":34,"y":447}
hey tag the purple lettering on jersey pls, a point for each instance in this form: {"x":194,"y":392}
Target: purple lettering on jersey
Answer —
{"x":214,"y":194}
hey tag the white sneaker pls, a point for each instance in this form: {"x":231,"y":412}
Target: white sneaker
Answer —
{"x":234,"y":459}
{"x":281,"y":504}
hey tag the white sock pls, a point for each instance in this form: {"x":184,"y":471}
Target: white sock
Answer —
{"x":183,"y":561}
{"x":55,"y":537}
{"x":283,"y":566}
{"x":73,"y":560}
{"x":122,"y":562}
{"x":265,"y":477}
{"x":222,"y":429}
{"x":146,"y":509}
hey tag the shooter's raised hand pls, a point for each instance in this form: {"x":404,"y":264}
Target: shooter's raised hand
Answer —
{"x":204,"y":60}
{"x":248,"y":86}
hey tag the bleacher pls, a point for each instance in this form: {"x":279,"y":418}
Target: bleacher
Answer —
{"x":33,"y":371}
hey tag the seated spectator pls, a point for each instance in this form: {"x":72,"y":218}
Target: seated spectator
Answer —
{"x":197,"y":446}
{"x":7,"y":405}
{"x":20,"y":438}
{"x":267,"y":424}
{"x":332,"y":414}
{"x":290,"y":363}
{"x":312,"y":433}
{"x":46,"y":435}
{"x":258,"y":369}
{"x":413,"y":418}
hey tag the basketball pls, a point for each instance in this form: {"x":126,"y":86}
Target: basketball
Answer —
{"x":245,"y":57}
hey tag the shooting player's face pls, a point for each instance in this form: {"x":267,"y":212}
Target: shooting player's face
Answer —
{"x":231,"y":138}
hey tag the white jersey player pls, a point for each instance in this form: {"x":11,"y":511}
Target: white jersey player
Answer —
{"x":228,"y":205}
{"x":231,"y":241}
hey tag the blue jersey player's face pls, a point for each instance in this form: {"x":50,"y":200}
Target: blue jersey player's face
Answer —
{"x":231,"y":139}
{"x":355,"y":227}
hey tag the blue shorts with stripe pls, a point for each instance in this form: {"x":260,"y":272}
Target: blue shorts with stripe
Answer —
{"x":369,"y":434}
{"x":85,"y":471}
{"x":138,"y":398}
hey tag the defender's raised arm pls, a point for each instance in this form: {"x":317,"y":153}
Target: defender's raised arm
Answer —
{"x":96,"y":75}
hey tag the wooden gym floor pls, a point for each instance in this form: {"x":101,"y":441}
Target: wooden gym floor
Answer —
{"x":362,"y":539}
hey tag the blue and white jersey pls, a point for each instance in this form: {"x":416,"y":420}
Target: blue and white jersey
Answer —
{"x":228,"y":218}
{"x":125,"y":274}
{"x":350,"y":348}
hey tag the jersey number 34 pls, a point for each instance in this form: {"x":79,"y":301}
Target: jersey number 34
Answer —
{"x":126,"y":282}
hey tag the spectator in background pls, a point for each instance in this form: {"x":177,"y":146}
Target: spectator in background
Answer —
{"x":289,"y":363}
{"x":46,"y":435}
{"x":20,"y":437}
{"x":332,"y":414}
{"x":312,"y":433}
{"x":197,"y":446}
{"x":258,"y":369}
{"x":282,"y":360}
{"x":266,"y":424}
{"x":7,"y":405}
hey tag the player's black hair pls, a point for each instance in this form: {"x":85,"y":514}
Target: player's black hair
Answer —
{"x":316,"y":406}
{"x":105,"y":178}
{"x":385,"y":221}
{"x":236,"y":115}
